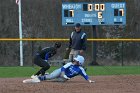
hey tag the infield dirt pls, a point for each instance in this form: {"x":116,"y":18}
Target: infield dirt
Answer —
{"x":103,"y":84}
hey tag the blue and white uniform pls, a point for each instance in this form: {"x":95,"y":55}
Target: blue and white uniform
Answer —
{"x":70,"y":70}
{"x":64,"y":73}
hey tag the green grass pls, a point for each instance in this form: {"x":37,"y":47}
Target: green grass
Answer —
{"x":91,"y":70}
{"x":19,"y":71}
{"x":113,"y":70}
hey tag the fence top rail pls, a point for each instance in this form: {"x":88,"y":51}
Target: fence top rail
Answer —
{"x":65,"y":39}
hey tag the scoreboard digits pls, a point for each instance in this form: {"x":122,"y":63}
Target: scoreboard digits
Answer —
{"x":113,"y":13}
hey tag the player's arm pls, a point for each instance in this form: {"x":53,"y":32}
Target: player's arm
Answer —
{"x":46,"y":57}
{"x":51,"y":53}
{"x":83,"y":73}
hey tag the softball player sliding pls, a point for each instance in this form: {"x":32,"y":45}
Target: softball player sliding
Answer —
{"x":64,"y":73}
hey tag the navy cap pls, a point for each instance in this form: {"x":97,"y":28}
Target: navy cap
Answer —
{"x":77,"y":25}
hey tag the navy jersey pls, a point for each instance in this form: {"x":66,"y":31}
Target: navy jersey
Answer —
{"x":72,"y":70}
{"x":47,"y":52}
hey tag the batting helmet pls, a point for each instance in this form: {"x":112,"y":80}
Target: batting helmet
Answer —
{"x":80,"y":59}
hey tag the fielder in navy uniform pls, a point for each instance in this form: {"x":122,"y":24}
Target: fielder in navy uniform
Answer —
{"x":41,"y":58}
{"x":64,"y":73}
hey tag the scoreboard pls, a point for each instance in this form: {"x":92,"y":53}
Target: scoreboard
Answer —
{"x":109,"y":13}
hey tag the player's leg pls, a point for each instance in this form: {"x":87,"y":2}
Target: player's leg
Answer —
{"x":55,"y":74}
{"x":66,"y":56}
{"x":42,"y":63}
{"x":71,"y":55}
{"x":45,"y":66}
{"x":42,"y":71}
{"x":75,"y":53}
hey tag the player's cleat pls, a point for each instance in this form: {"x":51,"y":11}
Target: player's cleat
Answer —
{"x":33,"y":76}
{"x":47,"y":73}
{"x":34,"y":80}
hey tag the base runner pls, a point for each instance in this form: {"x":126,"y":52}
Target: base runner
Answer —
{"x":64,"y":73}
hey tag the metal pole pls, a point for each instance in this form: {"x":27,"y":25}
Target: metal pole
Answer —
{"x":20,"y":34}
{"x":122,"y":54}
{"x":94,"y":46}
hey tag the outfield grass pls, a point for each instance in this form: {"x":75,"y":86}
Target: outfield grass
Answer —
{"x":91,"y":70}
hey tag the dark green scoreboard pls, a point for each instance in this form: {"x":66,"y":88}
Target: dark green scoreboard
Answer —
{"x":109,"y":13}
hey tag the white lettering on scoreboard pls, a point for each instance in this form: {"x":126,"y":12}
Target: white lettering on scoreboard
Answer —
{"x":90,"y":15}
{"x":118,"y":5}
{"x":69,"y":20}
{"x":101,"y":20}
{"x":72,"y":6}
{"x":86,"y":20}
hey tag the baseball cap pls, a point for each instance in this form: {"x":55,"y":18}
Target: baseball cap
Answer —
{"x":77,"y":25}
{"x":80,"y":59}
